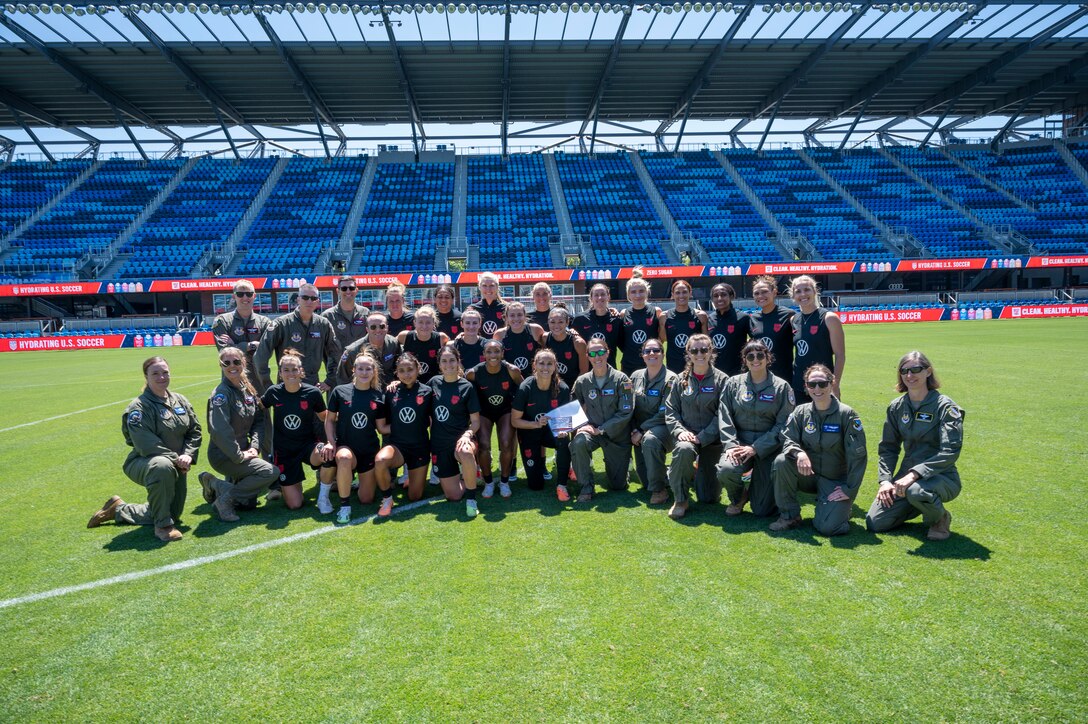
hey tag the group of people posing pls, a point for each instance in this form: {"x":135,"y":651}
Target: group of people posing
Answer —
{"x":428,"y":391}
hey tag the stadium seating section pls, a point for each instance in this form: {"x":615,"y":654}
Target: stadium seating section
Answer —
{"x":509,"y":210}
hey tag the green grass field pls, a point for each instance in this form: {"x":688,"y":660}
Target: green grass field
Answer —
{"x":537,"y":611}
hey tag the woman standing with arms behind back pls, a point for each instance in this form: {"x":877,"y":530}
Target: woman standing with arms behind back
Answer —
{"x":817,"y":337}
{"x":772,"y":325}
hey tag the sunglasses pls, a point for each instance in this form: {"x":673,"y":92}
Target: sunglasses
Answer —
{"x":915,"y":370}
{"x":651,"y":350}
{"x":817,"y":384}
{"x":377,"y":326}
{"x":230,"y":362}
{"x":243,"y":294}
{"x":597,"y":353}
{"x":348,"y":289}
{"x":307,"y":298}
{"x":700,"y":350}
{"x":753,"y":356}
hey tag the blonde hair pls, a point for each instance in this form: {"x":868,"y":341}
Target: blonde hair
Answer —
{"x":246,"y":384}
{"x":803,"y":278}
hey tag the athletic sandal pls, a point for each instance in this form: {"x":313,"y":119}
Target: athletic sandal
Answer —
{"x":504,"y":489}
{"x":471,"y":509}
{"x":168,"y":534}
{"x":489,"y":490}
{"x":386,"y":509}
{"x":941,"y":530}
{"x":678,"y":510}
{"x":207,"y":486}
{"x":786,"y":523}
{"x":343,"y":516}
{"x":659,"y":498}
{"x":106,"y":512}
{"x":562,"y":493}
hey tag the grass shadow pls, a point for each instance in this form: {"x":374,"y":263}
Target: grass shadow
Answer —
{"x":957,"y":547}
{"x":134,"y":538}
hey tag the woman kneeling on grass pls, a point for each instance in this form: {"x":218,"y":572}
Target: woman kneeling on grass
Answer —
{"x":928,"y":427}
{"x":454,"y":423}
{"x":496,"y":382}
{"x":823,"y":452}
{"x":409,"y":403}
{"x":298,"y":432}
{"x":161,"y":428}
{"x":356,"y":415}
{"x":236,"y":425}
{"x":537,"y":396}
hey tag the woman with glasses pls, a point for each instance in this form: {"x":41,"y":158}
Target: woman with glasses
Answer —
{"x":520,"y":338}
{"x":928,"y":428}
{"x":649,"y":435}
{"x":454,"y":424}
{"x":537,"y":396}
{"x":424,"y":341}
{"x":755,"y":407}
{"x":161,"y":428}
{"x":640,"y":323}
{"x":491,"y":306}
{"x":680,"y":323}
{"x":357,"y":413}
{"x":772,"y":325}
{"x":569,"y":348}
{"x":241,"y":328}
{"x":298,"y":433}
{"x":728,"y":328}
{"x":691,"y":414}
{"x":817,"y":337}
{"x":449,"y":316}
{"x":607,"y":399}
{"x":236,"y":426}
{"x":309,"y":333}
{"x":823,"y":452}
{"x":381,"y":345}
{"x":496,"y":382}
{"x":348,"y":319}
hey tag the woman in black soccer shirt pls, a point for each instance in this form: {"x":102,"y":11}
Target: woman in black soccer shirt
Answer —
{"x":492,"y":307}
{"x":728,"y":328}
{"x":424,"y":341}
{"x":496,"y":382}
{"x":520,"y":338}
{"x":601,"y":322}
{"x":448,"y":316}
{"x":817,"y":337}
{"x":772,"y":325}
{"x":454,"y":424}
{"x":542,"y":304}
{"x":536,"y":397}
{"x":640,"y":323}
{"x":680,"y":323}
{"x":469,"y":344}
{"x":356,"y":415}
{"x":569,"y":348}
{"x":298,"y":424}
{"x":410,"y":403}
{"x":398,"y":318}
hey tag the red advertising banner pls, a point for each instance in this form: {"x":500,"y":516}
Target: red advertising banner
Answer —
{"x":215,"y":284}
{"x":658,"y":272}
{"x":44,"y":344}
{"x":940,"y":264}
{"x":1036,"y":311}
{"x":928,"y":314}
{"x":1038,"y":262}
{"x":803,"y":267}
{"x":529,"y":275}
{"x":44,"y":289}
{"x":201,"y":339}
{"x":365,"y":280}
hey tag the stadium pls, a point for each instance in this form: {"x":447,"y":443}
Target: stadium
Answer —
{"x":927,"y":163}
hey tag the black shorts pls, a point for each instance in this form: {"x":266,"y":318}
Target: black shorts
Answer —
{"x":494,"y":413}
{"x":289,"y":463}
{"x":364,"y":459}
{"x":415,"y":456}
{"x":444,"y":459}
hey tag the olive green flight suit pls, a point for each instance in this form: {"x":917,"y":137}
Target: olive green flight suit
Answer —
{"x":316,"y":341}
{"x":692,"y":406}
{"x":608,"y":402}
{"x":236,"y":423}
{"x":649,"y":419}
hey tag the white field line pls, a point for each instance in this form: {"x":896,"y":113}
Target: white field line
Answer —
{"x":203,"y":560}
{"x":89,"y":409}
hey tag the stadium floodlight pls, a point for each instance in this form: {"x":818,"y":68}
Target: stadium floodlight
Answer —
{"x":21,"y":8}
{"x":191,"y":7}
{"x":807,"y":7}
{"x":563,"y":8}
{"x":32,"y":9}
{"x":322,"y":8}
{"x":59,"y":9}
{"x":68,"y":9}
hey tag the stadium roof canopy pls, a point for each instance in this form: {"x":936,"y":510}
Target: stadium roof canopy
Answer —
{"x":166,"y":77}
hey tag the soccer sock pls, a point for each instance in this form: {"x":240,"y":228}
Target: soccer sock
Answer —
{"x":345,"y":501}
{"x":488,"y":479}
{"x":325,"y":489}
{"x":470,"y":494}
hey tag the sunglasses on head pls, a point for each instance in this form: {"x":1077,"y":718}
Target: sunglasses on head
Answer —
{"x":229,"y":362}
{"x":817,"y":384}
{"x":348,"y":289}
{"x":914,"y":370}
{"x":597,"y":353}
{"x":307,"y":298}
{"x":243,"y":294}
{"x":377,"y":326}
{"x":753,"y":356}
{"x":700,"y":350}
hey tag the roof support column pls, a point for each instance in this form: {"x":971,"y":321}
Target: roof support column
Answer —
{"x":27,"y":130}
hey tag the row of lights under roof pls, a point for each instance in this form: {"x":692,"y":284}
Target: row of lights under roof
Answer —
{"x":451,"y":8}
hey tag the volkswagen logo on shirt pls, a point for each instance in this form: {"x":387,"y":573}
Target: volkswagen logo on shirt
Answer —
{"x":495,"y":400}
{"x":562,"y":368}
{"x":292,"y":422}
{"x":597,"y":335}
{"x":719,"y":341}
{"x":358,"y":420}
{"x":681,"y":340}
{"x":423,"y":367}
{"x":407,"y":415}
{"x":639,"y":336}
{"x":441,"y":413}
{"x":802,"y":347}
{"x":490,"y":327}
{"x":767,"y":342}
{"x":522,"y":363}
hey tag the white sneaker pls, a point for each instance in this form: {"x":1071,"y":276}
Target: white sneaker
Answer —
{"x":434,"y":477}
{"x":324,"y":505}
{"x":471,"y":508}
{"x":504,"y":490}
{"x":547,"y":475}
{"x":403,"y":480}
{"x":513,"y":478}
{"x":489,"y":489}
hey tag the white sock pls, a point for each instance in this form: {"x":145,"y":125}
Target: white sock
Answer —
{"x":324,"y":490}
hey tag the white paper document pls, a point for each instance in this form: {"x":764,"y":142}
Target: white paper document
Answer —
{"x":567,"y":418}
